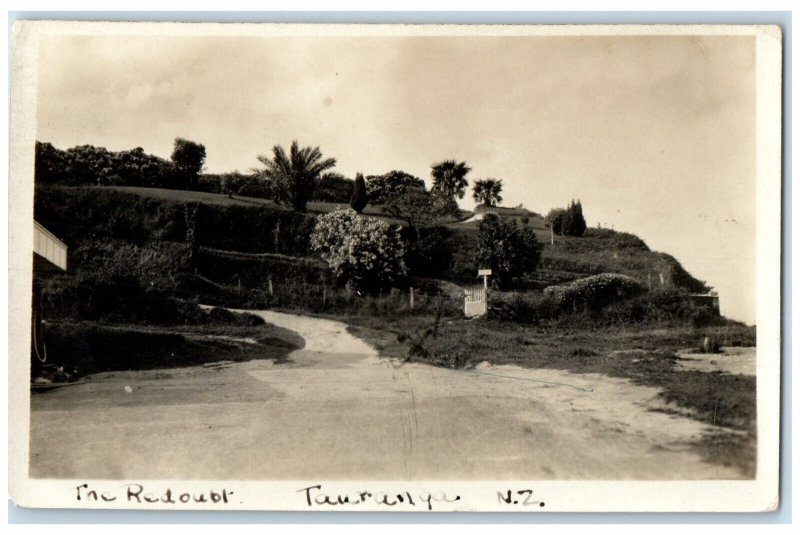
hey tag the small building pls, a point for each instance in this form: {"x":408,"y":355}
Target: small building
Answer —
{"x":49,"y":258}
{"x":709,"y":300}
{"x":49,"y":253}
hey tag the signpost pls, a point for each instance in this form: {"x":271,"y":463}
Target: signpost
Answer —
{"x":485,"y":274}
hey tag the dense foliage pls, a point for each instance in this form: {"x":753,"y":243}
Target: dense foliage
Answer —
{"x":594,"y":292}
{"x":333,"y":188}
{"x":241,"y":185}
{"x":661,"y":307}
{"x":420,"y":208}
{"x":573,"y":224}
{"x":188,"y":158}
{"x":510,"y":251}
{"x":383,"y":189}
{"x":79,"y":214}
{"x":555,"y":219}
{"x":116,"y":282}
{"x":367,"y":253}
{"x":89,"y":165}
{"x":429,"y":251}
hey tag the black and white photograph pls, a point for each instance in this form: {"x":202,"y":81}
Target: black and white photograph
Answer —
{"x":352,"y":267}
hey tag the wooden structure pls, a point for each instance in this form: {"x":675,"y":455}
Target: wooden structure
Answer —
{"x":49,"y":257}
{"x":710,"y":300}
{"x":475,"y":302}
{"x":475,"y":299}
{"x":49,"y":253}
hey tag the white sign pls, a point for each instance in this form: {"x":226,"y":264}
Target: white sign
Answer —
{"x":484,"y":272}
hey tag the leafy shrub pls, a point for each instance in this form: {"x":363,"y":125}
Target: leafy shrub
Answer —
{"x":430,"y":252}
{"x":508,"y":250}
{"x":665,"y":308}
{"x":118,"y":299}
{"x":594,"y":292}
{"x":381,"y":189}
{"x":162,"y":266}
{"x":221,"y":315}
{"x":555,"y":219}
{"x":364,"y":251}
{"x":117,"y":282}
{"x":209,"y":183}
{"x":603,"y":238}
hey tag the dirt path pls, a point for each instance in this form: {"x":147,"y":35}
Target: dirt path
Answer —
{"x":337,"y":411}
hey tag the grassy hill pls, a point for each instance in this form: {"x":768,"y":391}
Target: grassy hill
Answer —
{"x":238,"y":242}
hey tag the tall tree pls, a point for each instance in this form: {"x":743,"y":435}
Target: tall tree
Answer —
{"x":293,"y":178}
{"x":420,"y":208}
{"x":188,"y":158}
{"x":555,"y":219}
{"x":487,"y":191}
{"x":450,"y":178}
{"x":574,"y":223}
{"x":359,"y":198}
{"x":382,"y":188}
{"x":511,"y":252}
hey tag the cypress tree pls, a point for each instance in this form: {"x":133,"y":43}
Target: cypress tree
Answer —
{"x":574,"y":223}
{"x":358,"y":200}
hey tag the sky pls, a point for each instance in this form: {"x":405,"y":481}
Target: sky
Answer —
{"x":654,"y":134}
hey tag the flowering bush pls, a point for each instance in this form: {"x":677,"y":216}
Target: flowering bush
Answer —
{"x":364,"y":251}
{"x":594,"y":292}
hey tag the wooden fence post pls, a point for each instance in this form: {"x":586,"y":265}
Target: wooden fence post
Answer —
{"x":411,"y":298}
{"x":269,"y":286}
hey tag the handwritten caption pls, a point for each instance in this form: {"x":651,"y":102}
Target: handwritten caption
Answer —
{"x":313,"y":496}
{"x":135,"y":493}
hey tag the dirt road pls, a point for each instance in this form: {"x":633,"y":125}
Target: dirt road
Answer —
{"x":338,"y":411}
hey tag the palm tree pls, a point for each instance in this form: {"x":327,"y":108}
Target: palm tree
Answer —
{"x":449,"y":177}
{"x":487,"y":192}
{"x":294,"y":178}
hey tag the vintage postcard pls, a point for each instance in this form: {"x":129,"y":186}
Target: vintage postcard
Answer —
{"x":395,"y":267}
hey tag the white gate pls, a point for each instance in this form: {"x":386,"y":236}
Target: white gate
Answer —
{"x":475,"y":302}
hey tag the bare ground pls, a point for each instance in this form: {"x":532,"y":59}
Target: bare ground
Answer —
{"x":335,"y":410}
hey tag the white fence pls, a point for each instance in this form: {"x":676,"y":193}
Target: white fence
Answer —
{"x":475,"y":302}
